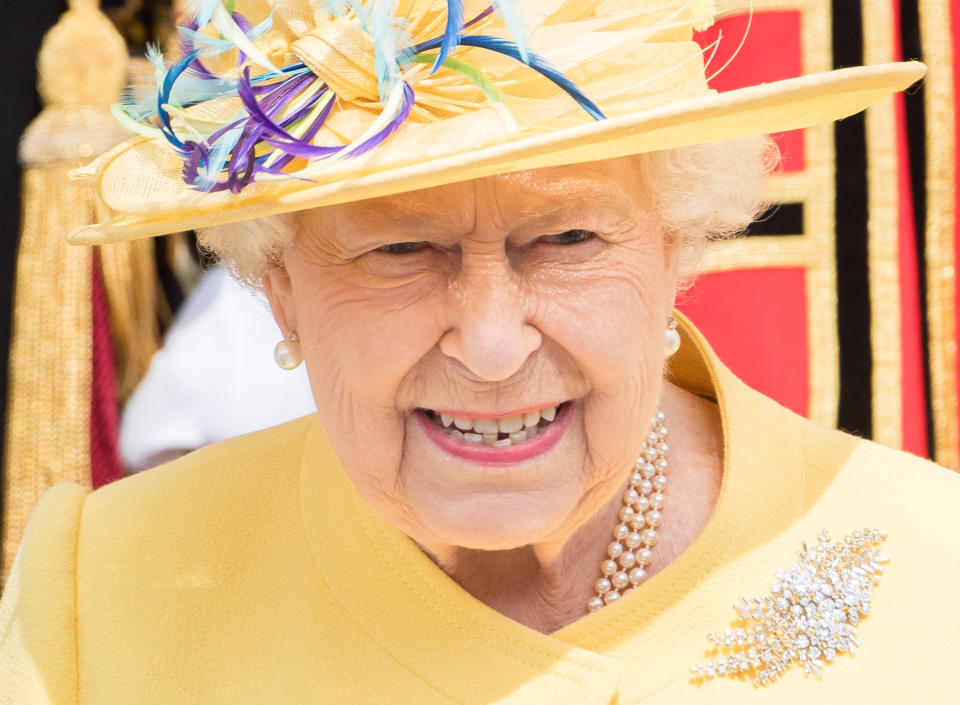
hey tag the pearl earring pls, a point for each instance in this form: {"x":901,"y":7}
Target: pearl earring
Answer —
{"x":287,"y":353}
{"x":671,"y":338}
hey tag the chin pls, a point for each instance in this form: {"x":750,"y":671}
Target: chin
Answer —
{"x":493,"y":521}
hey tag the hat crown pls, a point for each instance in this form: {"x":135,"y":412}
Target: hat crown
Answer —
{"x":341,"y":53}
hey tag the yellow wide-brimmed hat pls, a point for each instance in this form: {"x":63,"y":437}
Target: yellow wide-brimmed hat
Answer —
{"x":282,"y":105}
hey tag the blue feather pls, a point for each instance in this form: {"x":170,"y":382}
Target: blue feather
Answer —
{"x":534,"y":61}
{"x":163,"y":97}
{"x":202,"y":10}
{"x":507,"y":10}
{"x":452,"y":34}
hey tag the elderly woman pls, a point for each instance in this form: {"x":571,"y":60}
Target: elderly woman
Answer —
{"x":528,"y":480}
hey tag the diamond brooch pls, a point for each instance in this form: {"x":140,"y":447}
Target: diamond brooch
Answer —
{"x":810,"y":615}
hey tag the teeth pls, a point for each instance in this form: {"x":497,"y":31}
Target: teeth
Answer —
{"x":486,"y":426}
{"x":516,"y":429}
{"x":511,"y":424}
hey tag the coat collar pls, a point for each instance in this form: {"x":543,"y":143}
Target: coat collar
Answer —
{"x":473,"y":654}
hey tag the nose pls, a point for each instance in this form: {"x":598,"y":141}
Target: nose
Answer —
{"x":490,"y":332}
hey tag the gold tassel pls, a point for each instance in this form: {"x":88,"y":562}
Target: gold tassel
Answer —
{"x":82,"y":69}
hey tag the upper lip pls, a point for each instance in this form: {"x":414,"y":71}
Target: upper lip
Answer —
{"x":493,"y":414}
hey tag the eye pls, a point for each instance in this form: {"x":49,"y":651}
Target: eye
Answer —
{"x":567,"y":237}
{"x":402,"y":248}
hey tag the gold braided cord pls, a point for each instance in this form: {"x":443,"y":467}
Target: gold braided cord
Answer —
{"x":48,"y":413}
{"x":82,"y":69}
{"x":883,"y":243}
{"x":940,"y":252}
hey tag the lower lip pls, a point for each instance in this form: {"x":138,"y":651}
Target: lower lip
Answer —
{"x":509,"y":455}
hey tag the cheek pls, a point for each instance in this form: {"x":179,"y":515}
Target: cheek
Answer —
{"x":610,"y":320}
{"x":359,"y":343}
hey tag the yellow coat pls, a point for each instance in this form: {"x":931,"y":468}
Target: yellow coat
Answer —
{"x":250,"y":572}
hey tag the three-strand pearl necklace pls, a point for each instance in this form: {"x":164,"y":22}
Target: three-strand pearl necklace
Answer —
{"x":636,"y":532}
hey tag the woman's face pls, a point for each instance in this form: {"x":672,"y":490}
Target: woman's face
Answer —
{"x":437,"y":323}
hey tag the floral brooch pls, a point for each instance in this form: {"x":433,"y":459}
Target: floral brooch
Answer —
{"x":810,"y":615}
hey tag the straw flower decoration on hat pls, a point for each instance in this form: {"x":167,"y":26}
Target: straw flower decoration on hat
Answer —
{"x":281,"y":105}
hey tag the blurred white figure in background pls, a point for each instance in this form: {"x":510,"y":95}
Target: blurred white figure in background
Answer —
{"x":214,"y":378}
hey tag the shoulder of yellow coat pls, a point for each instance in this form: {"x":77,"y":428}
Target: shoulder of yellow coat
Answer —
{"x":223,"y":482}
{"x":38,"y":635}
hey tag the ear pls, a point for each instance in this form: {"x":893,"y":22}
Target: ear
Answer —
{"x":279,"y":292}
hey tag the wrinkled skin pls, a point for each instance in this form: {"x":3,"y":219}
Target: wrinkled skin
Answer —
{"x":526,"y":289}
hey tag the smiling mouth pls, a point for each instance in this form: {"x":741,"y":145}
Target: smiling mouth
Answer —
{"x":496,"y":432}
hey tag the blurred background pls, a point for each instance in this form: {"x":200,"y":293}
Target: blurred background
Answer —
{"x":841,"y":304}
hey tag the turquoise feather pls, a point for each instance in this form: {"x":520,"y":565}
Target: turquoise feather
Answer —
{"x":202,"y":10}
{"x":507,"y":9}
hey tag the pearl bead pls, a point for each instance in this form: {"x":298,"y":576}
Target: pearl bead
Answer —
{"x":633,"y":536}
{"x":671,"y":342}
{"x":620,"y":580}
{"x":287,"y":353}
{"x":628,"y":591}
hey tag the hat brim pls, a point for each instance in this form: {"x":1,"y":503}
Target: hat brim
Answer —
{"x":772,"y":107}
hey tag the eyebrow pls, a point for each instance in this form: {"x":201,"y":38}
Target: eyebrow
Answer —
{"x":575,"y":193}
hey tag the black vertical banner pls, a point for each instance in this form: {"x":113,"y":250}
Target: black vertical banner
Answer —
{"x":855,"y":410}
